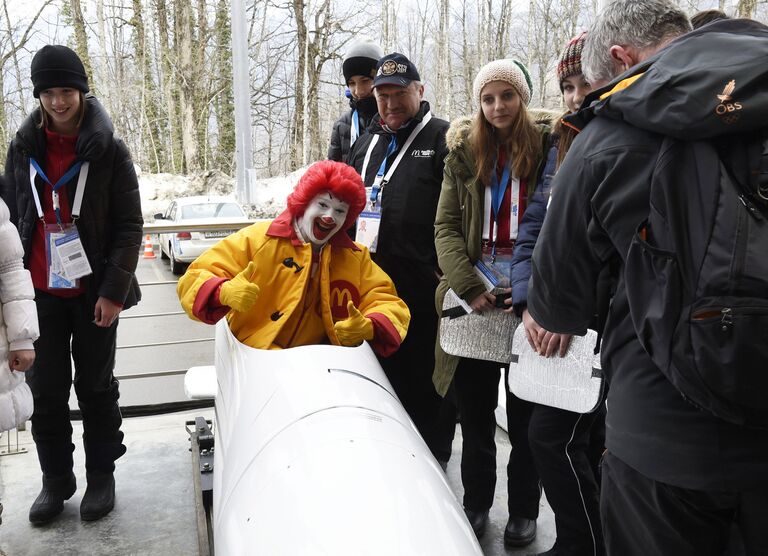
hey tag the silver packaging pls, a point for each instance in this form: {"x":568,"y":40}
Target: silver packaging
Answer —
{"x":573,"y":383}
{"x":486,"y":336}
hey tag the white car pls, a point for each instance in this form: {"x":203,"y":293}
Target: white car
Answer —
{"x":184,"y":247}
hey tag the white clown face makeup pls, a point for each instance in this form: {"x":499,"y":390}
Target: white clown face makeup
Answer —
{"x":323,"y":217}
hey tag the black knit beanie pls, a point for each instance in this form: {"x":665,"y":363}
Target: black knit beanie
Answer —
{"x":57,"y":66}
{"x":361,"y":59}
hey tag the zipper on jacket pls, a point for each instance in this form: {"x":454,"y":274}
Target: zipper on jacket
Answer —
{"x":726,"y":314}
{"x":726,"y":321}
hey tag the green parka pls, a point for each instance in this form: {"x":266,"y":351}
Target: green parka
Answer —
{"x":459,"y":229}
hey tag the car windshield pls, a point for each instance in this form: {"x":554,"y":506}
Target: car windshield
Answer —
{"x":211,"y":210}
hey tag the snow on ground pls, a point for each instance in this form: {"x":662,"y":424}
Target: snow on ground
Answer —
{"x":269,"y":194}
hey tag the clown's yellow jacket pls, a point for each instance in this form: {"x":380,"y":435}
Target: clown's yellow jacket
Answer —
{"x":283,"y":264}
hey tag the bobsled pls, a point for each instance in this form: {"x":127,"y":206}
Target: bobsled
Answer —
{"x":315,"y":455}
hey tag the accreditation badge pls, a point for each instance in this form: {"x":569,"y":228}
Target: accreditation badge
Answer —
{"x":65,"y":256}
{"x":368,"y":227}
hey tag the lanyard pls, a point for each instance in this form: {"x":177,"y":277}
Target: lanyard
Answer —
{"x":354,"y":133}
{"x":499,"y":189}
{"x":497,"y":192}
{"x":381,"y":178}
{"x":81,"y":167}
{"x":379,"y":181}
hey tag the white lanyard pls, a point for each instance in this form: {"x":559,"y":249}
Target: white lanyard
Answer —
{"x":514,"y":219}
{"x":422,"y":124}
{"x":79,"y":191}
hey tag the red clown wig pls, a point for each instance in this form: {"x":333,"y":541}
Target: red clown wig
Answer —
{"x":341,"y":180}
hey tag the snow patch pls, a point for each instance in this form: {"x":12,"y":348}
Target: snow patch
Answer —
{"x":269,"y":194}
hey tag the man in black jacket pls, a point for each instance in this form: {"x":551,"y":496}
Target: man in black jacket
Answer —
{"x":405,"y":148}
{"x":675,"y":477}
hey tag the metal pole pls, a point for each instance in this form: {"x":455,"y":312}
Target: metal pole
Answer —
{"x":240,"y":73}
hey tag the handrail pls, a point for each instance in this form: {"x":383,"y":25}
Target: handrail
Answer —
{"x":171,"y":343}
{"x":165,"y":227}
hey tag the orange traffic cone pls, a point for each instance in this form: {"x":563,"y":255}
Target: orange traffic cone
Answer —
{"x":149,"y":251}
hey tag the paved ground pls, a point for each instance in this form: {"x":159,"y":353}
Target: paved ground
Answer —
{"x":154,"y":513}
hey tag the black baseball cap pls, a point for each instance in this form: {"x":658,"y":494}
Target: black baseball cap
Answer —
{"x":395,"y":69}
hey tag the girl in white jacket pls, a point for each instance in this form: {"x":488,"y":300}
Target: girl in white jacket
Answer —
{"x":18,"y":327}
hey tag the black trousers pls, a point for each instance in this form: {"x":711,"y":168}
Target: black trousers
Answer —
{"x":477,"y":391}
{"x":562,"y":449}
{"x":642,"y":516}
{"x":409,"y":370}
{"x":67,"y":333}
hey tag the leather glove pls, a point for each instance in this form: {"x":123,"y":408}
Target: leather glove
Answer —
{"x":353,"y":330}
{"x":240,"y":293}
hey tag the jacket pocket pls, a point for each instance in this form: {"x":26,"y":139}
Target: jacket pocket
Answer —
{"x":654,"y":294}
{"x":729,"y":337}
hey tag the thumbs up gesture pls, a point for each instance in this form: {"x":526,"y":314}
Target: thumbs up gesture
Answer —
{"x":239,"y":292}
{"x":355,"y":329}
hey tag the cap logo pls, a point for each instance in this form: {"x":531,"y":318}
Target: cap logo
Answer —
{"x":389,"y":67}
{"x":727,"y":110}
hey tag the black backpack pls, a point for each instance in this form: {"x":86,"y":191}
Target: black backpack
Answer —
{"x":697,"y":274}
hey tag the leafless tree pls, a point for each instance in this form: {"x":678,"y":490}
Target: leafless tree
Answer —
{"x":163,"y":67}
{"x":14,"y":40}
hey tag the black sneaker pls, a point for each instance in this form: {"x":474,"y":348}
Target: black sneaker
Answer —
{"x":50,"y":502}
{"x":99,"y":497}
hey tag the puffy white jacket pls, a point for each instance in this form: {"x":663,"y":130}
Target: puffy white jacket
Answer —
{"x":18,"y":324}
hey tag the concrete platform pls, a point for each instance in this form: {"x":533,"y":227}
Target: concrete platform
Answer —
{"x":154,"y":512}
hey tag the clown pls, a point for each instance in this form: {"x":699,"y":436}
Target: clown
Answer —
{"x":296,"y":280}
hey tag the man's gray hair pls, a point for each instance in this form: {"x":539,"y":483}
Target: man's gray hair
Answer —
{"x":640,"y":24}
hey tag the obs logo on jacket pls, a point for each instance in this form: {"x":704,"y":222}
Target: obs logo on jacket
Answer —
{"x":342,"y":292}
{"x":727,"y":110}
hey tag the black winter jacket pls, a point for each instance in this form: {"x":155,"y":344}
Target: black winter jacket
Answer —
{"x":342,"y":130}
{"x":603,"y":189}
{"x":406,"y":244}
{"x":110,"y":222}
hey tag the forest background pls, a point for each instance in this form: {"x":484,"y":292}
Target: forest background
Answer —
{"x":163,"y":68}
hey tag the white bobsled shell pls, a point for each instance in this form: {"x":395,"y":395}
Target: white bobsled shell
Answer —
{"x":316,"y":433}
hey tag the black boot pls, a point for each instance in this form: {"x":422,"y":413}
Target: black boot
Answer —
{"x":50,"y":502}
{"x":478,"y":519}
{"x":99,"y":497}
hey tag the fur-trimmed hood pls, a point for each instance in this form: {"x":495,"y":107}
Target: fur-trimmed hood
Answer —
{"x":457,"y":134}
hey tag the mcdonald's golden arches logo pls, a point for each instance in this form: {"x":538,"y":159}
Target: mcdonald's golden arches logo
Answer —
{"x":342,"y":292}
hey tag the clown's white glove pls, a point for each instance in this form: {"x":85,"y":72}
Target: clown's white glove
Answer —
{"x":355,"y":329}
{"x":240,"y":293}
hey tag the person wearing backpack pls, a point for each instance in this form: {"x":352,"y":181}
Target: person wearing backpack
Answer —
{"x":684,"y":462}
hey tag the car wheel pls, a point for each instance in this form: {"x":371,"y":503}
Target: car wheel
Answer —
{"x":163,"y":256}
{"x":176,"y":267}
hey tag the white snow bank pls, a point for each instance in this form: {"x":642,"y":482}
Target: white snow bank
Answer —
{"x":269,"y":194}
